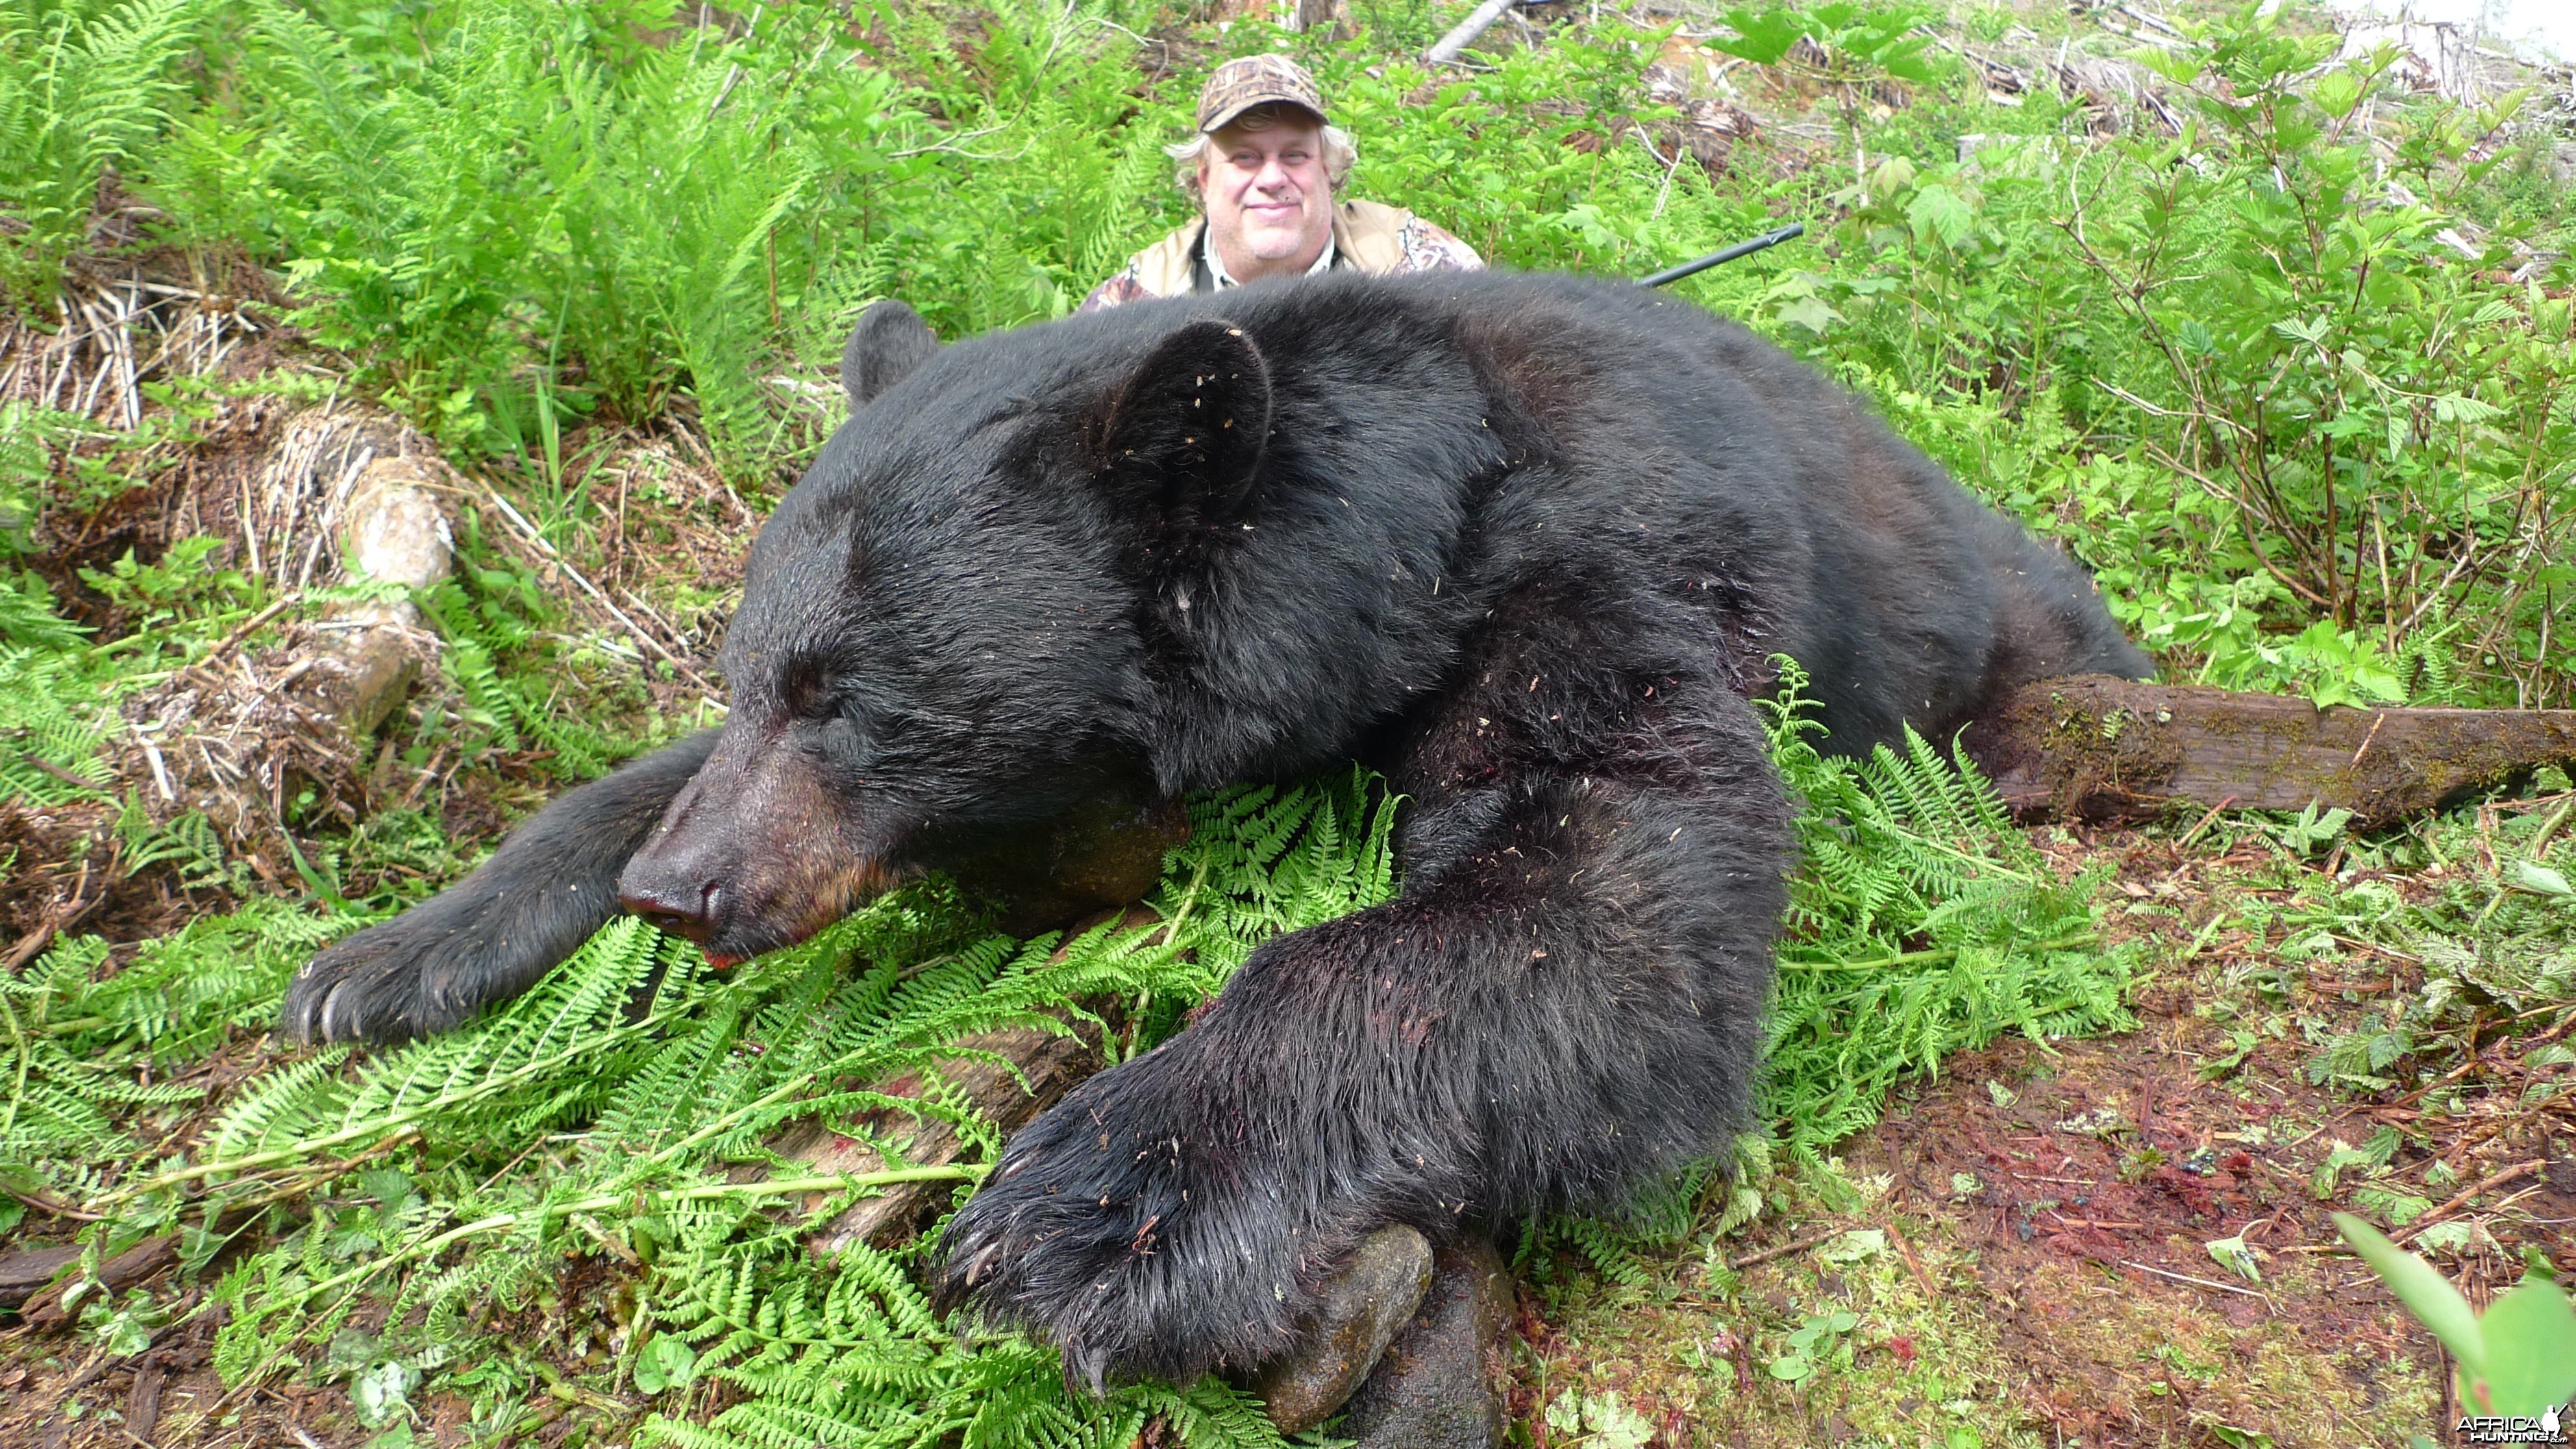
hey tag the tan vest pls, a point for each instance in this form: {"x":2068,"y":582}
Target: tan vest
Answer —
{"x":1366,"y":235}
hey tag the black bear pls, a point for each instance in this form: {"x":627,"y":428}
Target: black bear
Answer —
{"x":1524,"y":544}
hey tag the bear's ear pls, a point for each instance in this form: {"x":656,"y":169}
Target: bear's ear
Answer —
{"x":889,"y":342}
{"x":1183,"y":436}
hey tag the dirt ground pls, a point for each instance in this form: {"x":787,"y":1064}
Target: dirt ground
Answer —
{"x":2022,"y":1246}
{"x":2034,"y":1264}
{"x":2042,"y":1273}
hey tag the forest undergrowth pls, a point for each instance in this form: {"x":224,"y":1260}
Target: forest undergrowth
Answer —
{"x":2282,"y":352}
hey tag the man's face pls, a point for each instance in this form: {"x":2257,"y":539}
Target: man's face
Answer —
{"x":1269,"y":202}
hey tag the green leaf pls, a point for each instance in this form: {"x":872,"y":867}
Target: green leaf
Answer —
{"x":1936,"y":210}
{"x":1858,"y":1245}
{"x":2426,"y":1293}
{"x":2453,"y":1235}
{"x":1614,"y":1424}
{"x":1765,"y":35}
{"x":667,"y":1362}
{"x":2336,"y":93}
{"x":383,"y":1393}
{"x":2312,"y":331}
{"x":2530,"y":1336}
{"x":2233,"y":1255}
{"x":2539,"y":880}
{"x":1808,"y":312}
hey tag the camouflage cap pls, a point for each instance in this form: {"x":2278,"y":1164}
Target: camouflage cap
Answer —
{"x":1256,"y":80}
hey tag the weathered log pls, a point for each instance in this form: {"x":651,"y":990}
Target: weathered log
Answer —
{"x":2093,"y":747}
{"x":393,"y":529}
{"x":27,"y":1270}
{"x":1448,"y":47}
{"x":1050,"y":1062}
{"x":45,"y":1309}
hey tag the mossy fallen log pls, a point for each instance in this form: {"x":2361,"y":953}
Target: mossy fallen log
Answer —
{"x":2092,"y":747}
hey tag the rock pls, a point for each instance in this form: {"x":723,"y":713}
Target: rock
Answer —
{"x":1364,"y":1306}
{"x":1441,"y":1383}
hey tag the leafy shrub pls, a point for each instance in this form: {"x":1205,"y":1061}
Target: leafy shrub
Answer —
{"x":83,"y":86}
{"x":2253,"y":377}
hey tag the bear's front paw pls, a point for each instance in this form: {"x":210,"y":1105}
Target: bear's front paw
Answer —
{"x":1142,"y":1245}
{"x":438,"y":963}
{"x":385,"y":983}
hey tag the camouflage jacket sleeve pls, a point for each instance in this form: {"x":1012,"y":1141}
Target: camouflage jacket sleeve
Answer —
{"x":1429,"y":249}
{"x":1117,"y":291}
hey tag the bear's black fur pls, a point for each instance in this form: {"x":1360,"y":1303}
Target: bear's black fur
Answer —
{"x":1524,"y":544}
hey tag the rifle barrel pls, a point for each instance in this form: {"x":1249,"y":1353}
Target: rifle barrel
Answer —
{"x":1740,"y":249}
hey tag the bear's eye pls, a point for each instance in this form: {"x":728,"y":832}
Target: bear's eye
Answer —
{"x":807,"y":691}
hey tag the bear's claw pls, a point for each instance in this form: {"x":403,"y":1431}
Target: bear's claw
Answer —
{"x":387,"y":983}
{"x":1130,"y":1242}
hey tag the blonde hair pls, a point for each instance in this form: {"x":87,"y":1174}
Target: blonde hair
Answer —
{"x":1340,"y":152}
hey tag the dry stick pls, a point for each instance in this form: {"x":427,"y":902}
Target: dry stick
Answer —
{"x":66,"y":342}
{"x":1784,"y":1250}
{"x":2376,"y":721}
{"x":529,"y":532}
{"x":125,"y":359}
{"x":2187,"y":1278}
{"x":152,"y":754}
{"x":2194,"y":833}
{"x":1906,"y":1248}
{"x":233,"y":640}
{"x":59,"y":773}
{"x":106,"y":360}
{"x":2411,"y":1098}
{"x":2490,"y":1181}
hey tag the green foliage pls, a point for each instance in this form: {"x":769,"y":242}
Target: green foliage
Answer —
{"x":655,"y":1077}
{"x":652,"y":1075}
{"x":2304,"y":441}
{"x":2518,"y":1359}
{"x":2489,"y":942}
{"x":1858,"y":43}
{"x":1922,"y":923}
{"x":1815,"y":1342}
{"x":2305,"y":444}
{"x":83,"y":86}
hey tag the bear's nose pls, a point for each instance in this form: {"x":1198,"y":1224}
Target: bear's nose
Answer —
{"x":675,"y":908}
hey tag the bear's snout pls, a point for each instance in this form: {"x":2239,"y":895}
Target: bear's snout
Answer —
{"x":755,"y":854}
{"x":671,"y":905}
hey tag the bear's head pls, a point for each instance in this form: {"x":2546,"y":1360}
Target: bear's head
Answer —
{"x":958,"y":623}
